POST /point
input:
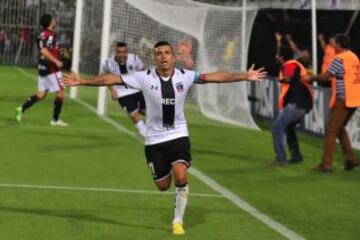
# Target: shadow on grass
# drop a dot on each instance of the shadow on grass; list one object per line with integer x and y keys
{"x": 220, "y": 154}
{"x": 78, "y": 216}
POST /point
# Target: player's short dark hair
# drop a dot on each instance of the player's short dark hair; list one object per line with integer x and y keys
{"x": 163, "y": 43}
{"x": 343, "y": 40}
{"x": 121, "y": 44}
{"x": 45, "y": 20}
{"x": 286, "y": 53}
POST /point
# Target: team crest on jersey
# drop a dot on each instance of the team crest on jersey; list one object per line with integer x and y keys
{"x": 131, "y": 67}
{"x": 179, "y": 87}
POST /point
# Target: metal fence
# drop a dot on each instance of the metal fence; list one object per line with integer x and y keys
{"x": 19, "y": 27}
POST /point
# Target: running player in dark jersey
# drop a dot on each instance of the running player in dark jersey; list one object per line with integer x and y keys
{"x": 49, "y": 72}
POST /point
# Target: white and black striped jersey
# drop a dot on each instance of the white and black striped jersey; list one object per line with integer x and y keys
{"x": 165, "y": 101}
{"x": 133, "y": 64}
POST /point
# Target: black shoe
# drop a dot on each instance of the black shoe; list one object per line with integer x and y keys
{"x": 322, "y": 169}
{"x": 296, "y": 160}
{"x": 350, "y": 165}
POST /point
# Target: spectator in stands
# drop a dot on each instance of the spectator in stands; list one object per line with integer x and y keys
{"x": 184, "y": 50}
{"x": 2, "y": 40}
{"x": 329, "y": 51}
{"x": 303, "y": 54}
{"x": 295, "y": 101}
{"x": 232, "y": 46}
{"x": 344, "y": 73}
{"x": 25, "y": 37}
{"x": 7, "y": 46}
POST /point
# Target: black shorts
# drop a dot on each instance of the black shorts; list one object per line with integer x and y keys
{"x": 160, "y": 157}
{"x": 132, "y": 103}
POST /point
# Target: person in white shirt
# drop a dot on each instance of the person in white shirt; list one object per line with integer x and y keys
{"x": 167, "y": 144}
{"x": 132, "y": 100}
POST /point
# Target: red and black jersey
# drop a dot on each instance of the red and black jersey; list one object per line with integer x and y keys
{"x": 48, "y": 39}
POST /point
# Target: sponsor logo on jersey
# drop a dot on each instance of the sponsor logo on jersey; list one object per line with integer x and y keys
{"x": 50, "y": 41}
{"x": 168, "y": 101}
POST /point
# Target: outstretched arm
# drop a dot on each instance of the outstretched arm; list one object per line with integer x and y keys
{"x": 324, "y": 77}
{"x": 294, "y": 47}
{"x": 73, "y": 79}
{"x": 226, "y": 77}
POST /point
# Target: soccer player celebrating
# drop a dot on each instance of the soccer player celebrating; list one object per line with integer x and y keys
{"x": 130, "y": 99}
{"x": 167, "y": 144}
{"x": 49, "y": 72}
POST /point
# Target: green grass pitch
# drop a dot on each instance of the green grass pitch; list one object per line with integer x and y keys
{"x": 93, "y": 154}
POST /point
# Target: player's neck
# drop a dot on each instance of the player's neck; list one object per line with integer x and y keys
{"x": 119, "y": 62}
{"x": 165, "y": 72}
{"x": 50, "y": 29}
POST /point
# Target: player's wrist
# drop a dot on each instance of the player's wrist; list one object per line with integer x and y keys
{"x": 245, "y": 76}
{"x": 82, "y": 81}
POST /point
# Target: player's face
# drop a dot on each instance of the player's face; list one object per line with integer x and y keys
{"x": 121, "y": 54}
{"x": 305, "y": 56}
{"x": 164, "y": 57}
{"x": 53, "y": 24}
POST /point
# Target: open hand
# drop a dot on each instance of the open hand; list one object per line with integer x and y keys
{"x": 71, "y": 79}
{"x": 256, "y": 75}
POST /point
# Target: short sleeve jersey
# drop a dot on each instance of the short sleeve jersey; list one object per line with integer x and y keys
{"x": 133, "y": 64}
{"x": 156, "y": 92}
{"x": 48, "y": 39}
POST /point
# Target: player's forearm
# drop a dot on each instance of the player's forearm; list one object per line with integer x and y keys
{"x": 102, "y": 80}
{"x": 293, "y": 46}
{"x": 225, "y": 77}
{"x": 324, "y": 77}
{"x": 88, "y": 82}
{"x": 48, "y": 56}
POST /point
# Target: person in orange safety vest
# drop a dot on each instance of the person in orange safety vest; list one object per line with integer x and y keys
{"x": 296, "y": 99}
{"x": 344, "y": 74}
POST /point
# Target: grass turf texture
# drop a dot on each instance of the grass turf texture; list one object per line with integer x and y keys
{"x": 91, "y": 153}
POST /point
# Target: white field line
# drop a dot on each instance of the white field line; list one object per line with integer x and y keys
{"x": 235, "y": 199}
{"x": 109, "y": 190}
{"x": 87, "y": 130}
